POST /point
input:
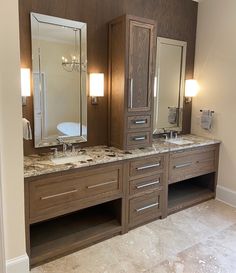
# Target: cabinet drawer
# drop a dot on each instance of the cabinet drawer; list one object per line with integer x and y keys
{"x": 144, "y": 184}
{"x": 60, "y": 194}
{"x": 191, "y": 164}
{"x": 146, "y": 166}
{"x": 139, "y": 139}
{"x": 139, "y": 122}
{"x": 145, "y": 208}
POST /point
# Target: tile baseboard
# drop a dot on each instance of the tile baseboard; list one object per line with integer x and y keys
{"x": 18, "y": 265}
{"x": 226, "y": 195}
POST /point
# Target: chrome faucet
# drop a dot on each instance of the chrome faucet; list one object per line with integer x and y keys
{"x": 173, "y": 134}
{"x": 64, "y": 144}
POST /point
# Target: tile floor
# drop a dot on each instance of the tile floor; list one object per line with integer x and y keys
{"x": 201, "y": 239}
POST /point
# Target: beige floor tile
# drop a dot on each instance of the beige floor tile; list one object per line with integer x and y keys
{"x": 215, "y": 255}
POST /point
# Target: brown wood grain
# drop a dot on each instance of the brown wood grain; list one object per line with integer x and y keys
{"x": 188, "y": 164}
{"x": 131, "y": 77}
{"x": 175, "y": 19}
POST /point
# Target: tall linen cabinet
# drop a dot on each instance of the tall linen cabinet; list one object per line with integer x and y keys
{"x": 132, "y": 43}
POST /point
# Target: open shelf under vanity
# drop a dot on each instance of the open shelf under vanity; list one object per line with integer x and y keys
{"x": 63, "y": 235}
{"x": 189, "y": 192}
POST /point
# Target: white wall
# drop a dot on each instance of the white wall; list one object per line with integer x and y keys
{"x": 11, "y": 136}
{"x": 215, "y": 69}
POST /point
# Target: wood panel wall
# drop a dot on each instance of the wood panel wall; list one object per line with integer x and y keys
{"x": 176, "y": 19}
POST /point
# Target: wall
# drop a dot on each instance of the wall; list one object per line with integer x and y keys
{"x": 11, "y": 136}
{"x": 175, "y": 19}
{"x": 215, "y": 71}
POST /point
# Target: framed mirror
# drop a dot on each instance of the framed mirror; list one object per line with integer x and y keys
{"x": 169, "y": 85}
{"x": 59, "y": 73}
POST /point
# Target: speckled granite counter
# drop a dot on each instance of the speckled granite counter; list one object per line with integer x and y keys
{"x": 40, "y": 164}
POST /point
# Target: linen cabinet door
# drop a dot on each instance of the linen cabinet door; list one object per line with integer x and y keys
{"x": 141, "y": 37}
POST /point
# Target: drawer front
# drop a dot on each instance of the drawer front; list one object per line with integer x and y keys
{"x": 139, "y": 139}
{"x": 181, "y": 168}
{"x": 145, "y": 208}
{"x": 139, "y": 122}
{"x": 205, "y": 162}
{"x": 142, "y": 185}
{"x": 64, "y": 193}
{"x": 146, "y": 166}
{"x": 191, "y": 164}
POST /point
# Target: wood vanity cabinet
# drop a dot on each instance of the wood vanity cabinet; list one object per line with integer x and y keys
{"x": 69, "y": 210}
{"x": 131, "y": 81}
{"x": 147, "y": 189}
{"x": 192, "y": 176}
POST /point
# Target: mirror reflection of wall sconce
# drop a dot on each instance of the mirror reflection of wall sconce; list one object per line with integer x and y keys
{"x": 25, "y": 84}
{"x": 191, "y": 90}
{"x": 96, "y": 86}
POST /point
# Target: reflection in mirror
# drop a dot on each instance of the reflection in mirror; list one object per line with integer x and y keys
{"x": 59, "y": 67}
{"x": 169, "y": 85}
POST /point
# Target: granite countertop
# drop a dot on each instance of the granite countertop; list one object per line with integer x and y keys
{"x": 39, "y": 164}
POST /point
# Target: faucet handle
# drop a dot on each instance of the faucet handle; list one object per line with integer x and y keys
{"x": 166, "y": 136}
{"x": 55, "y": 151}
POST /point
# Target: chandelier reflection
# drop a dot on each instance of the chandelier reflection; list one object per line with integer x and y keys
{"x": 74, "y": 63}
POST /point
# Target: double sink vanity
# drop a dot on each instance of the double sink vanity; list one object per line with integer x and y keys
{"x": 108, "y": 191}
{"x": 76, "y": 198}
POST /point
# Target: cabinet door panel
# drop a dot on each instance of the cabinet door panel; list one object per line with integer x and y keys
{"x": 140, "y": 66}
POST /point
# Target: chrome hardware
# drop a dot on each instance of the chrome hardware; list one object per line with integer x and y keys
{"x": 64, "y": 144}
{"x": 102, "y": 184}
{"x": 149, "y": 166}
{"x": 131, "y": 92}
{"x": 57, "y": 195}
{"x": 142, "y": 121}
{"x": 148, "y": 207}
{"x": 166, "y": 136}
{"x": 183, "y": 165}
{"x": 55, "y": 152}
{"x": 148, "y": 184}
{"x": 139, "y": 138}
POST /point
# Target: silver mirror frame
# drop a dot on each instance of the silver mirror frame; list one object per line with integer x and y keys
{"x": 183, "y": 44}
{"x": 41, "y": 18}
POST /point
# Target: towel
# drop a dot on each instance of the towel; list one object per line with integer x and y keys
{"x": 172, "y": 115}
{"x": 206, "y": 119}
{"x": 27, "y": 132}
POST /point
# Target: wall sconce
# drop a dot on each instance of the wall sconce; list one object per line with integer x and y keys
{"x": 96, "y": 86}
{"x": 191, "y": 89}
{"x": 25, "y": 84}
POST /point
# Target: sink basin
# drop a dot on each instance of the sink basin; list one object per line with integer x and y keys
{"x": 70, "y": 159}
{"x": 180, "y": 141}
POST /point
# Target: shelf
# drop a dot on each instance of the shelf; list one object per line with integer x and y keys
{"x": 60, "y": 236}
{"x": 188, "y": 193}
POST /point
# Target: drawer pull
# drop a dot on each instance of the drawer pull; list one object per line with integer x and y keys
{"x": 139, "y": 138}
{"x": 57, "y": 195}
{"x": 183, "y": 165}
{"x": 205, "y": 160}
{"x": 101, "y": 184}
{"x": 148, "y": 184}
{"x": 148, "y": 207}
{"x": 148, "y": 166}
{"x": 141, "y": 121}
{"x": 131, "y": 92}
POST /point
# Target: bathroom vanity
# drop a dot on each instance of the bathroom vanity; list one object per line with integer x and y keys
{"x": 71, "y": 206}
{"x": 76, "y": 198}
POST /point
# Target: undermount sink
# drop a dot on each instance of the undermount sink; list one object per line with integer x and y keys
{"x": 179, "y": 141}
{"x": 70, "y": 159}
